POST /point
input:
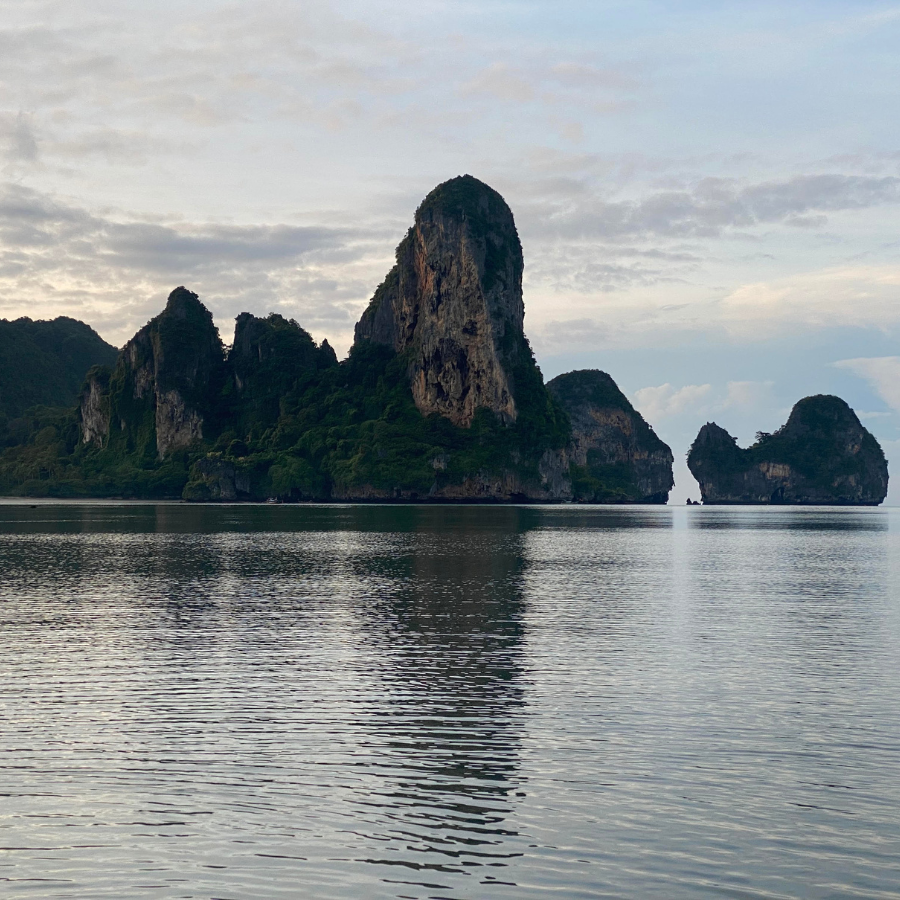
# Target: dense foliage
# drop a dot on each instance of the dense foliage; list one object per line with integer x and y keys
{"x": 336, "y": 428}
{"x": 43, "y": 364}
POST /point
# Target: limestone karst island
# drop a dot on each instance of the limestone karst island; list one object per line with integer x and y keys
{"x": 440, "y": 399}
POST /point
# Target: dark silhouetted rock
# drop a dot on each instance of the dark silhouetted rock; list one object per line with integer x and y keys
{"x": 268, "y": 358}
{"x": 165, "y": 383}
{"x": 43, "y": 363}
{"x": 822, "y": 455}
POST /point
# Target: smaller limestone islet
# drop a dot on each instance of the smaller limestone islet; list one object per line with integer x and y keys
{"x": 821, "y": 455}
{"x": 439, "y": 400}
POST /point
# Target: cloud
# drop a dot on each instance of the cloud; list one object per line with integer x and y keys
{"x": 580, "y": 75}
{"x": 19, "y": 139}
{"x": 712, "y": 206}
{"x": 114, "y": 271}
{"x": 501, "y": 81}
{"x": 855, "y": 295}
{"x": 665, "y": 400}
{"x": 882, "y": 372}
{"x": 747, "y": 394}
{"x": 736, "y": 398}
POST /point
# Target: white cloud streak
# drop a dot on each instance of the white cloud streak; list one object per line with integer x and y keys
{"x": 664, "y": 400}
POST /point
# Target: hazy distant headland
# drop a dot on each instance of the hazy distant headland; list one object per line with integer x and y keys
{"x": 440, "y": 399}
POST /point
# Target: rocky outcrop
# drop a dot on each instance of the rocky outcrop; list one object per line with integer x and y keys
{"x": 165, "y": 383}
{"x": 216, "y": 479}
{"x": 822, "y": 455}
{"x": 174, "y": 362}
{"x": 440, "y": 399}
{"x": 614, "y": 455}
{"x": 453, "y": 303}
{"x": 94, "y": 406}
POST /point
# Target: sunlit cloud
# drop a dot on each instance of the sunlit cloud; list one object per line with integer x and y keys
{"x": 664, "y": 400}
{"x": 852, "y": 295}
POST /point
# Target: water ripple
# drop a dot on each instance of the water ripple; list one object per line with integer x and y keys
{"x": 261, "y": 702}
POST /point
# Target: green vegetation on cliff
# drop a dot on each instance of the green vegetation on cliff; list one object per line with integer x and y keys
{"x": 614, "y": 455}
{"x": 339, "y": 430}
{"x": 42, "y": 364}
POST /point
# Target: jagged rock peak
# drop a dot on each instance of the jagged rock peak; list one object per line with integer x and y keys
{"x": 615, "y": 456}
{"x": 173, "y": 362}
{"x": 184, "y": 304}
{"x": 821, "y": 455}
{"x": 257, "y": 340}
{"x": 454, "y": 302}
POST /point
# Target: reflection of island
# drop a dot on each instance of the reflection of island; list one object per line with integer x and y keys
{"x": 451, "y": 633}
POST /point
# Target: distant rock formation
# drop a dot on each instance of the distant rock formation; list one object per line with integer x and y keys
{"x": 821, "y": 455}
{"x": 440, "y": 398}
{"x": 165, "y": 383}
{"x": 614, "y": 455}
{"x": 453, "y": 302}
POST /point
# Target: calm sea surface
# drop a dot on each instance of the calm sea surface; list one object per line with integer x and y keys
{"x": 256, "y": 702}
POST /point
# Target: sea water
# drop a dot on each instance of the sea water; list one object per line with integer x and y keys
{"x": 454, "y": 702}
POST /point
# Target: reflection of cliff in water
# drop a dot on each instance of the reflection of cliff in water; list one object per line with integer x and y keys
{"x": 449, "y": 628}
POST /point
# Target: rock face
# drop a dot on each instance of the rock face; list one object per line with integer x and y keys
{"x": 821, "y": 455}
{"x": 94, "y": 406}
{"x": 215, "y": 480}
{"x": 164, "y": 383}
{"x": 440, "y": 399}
{"x": 614, "y": 455}
{"x": 505, "y": 486}
{"x": 453, "y": 302}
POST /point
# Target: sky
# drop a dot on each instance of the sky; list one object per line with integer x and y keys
{"x": 707, "y": 193}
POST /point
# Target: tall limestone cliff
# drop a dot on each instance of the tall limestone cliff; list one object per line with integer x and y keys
{"x": 614, "y": 455}
{"x": 453, "y": 303}
{"x": 440, "y": 398}
{"x": 821, "y": 455}
{"x": 94, "y": 406}
{"x": 165, "y": 383}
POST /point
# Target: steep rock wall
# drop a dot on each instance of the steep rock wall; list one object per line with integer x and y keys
{"x": 164, "y": 384}
{"x": 94, "y": 406}
{"x": 267, "y": 359}
{"x": 454, "y": 302}
{"x": 614, "y": 455}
